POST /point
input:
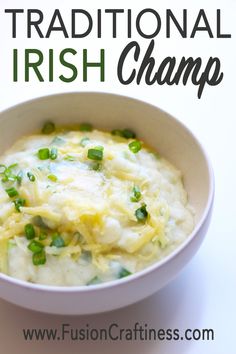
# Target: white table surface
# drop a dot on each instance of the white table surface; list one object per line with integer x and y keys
{"x": 204, "y": 294}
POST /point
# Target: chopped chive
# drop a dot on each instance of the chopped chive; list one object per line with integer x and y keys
{"x": 96, "y": 153}
{"x": 31, "y": 176}
{"x": 85, "y": 127}
{"x": 43, "y": 154}
{"x": 19, "y": 202}
{"x": 53, "y": 154}
{"x": 57, "y": 241}
{"x": 48, "y": 128}
{"x": 39, "y": 258}
{"x": 124, "y": 273}
{"x": 12, "y": 192}
{"x": 136, "y": 194}
{"x": 94, "y": 281}
{"x": 42, "y": 236}
{"x": 52, "y": 178}
{"x": 35, "y": 246}
{"x": 84, "y": 141}
{"x": 135, "y": 146}
{"x": 29, "y": 231}
{"x": 125, "y": 133}
{"x": 141, "y": 213}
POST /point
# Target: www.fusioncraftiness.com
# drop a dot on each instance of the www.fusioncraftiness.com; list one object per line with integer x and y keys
{"x": 114, "y": 332}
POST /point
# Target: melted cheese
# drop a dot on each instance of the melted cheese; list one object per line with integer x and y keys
{"x": 94, "y": 203}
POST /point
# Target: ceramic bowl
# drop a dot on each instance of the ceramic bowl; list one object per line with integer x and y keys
{"x": 170, "y": 138}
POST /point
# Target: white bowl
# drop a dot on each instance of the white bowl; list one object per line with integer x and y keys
{"x": 170, "y": 138}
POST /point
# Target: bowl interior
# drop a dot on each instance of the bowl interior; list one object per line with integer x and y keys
{"x": 106, "y": 111}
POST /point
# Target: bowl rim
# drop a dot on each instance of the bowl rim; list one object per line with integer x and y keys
{"x": 151, "y": 268}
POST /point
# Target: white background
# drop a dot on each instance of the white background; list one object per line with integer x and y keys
{"x": 204, "y": 294}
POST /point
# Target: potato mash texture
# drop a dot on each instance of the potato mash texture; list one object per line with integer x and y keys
{"x": 83, "y": 206}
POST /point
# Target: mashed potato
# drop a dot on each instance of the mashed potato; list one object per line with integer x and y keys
{"x": 81, "y": 207}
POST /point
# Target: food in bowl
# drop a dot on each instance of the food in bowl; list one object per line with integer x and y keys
{"x": 80, "y": 206}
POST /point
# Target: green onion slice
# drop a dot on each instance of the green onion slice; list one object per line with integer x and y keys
{"x": 39, "y": 258}
{"x": 125, "y": 133}
{"x": 44, "y": 154}
{"x": 7, "y": 173}
{"x": 48, "y": 128}
{"x": 124, "y": 273}
{"x": 84, "y": 141}
{"x": 31, "y": 176}
{"x": 53, "y": 154}
{"x": 12, "y": 192}
{"x": 42, "y": 235}
{"x": 135, "y": 146}
{"x": 57, "y": 141}
{"x": 96, "y": 153}
{"x": 19, "y": 202}
{"x": 96, "y": 166}
{"x": 136, "y": 194}
{"x": 29, "y": 231}
{"x": 57, "y": 241}
{"x": 38, "y": 221}
{"x": 19, "y": 177}
{"x": 35, "y": 246}
{"x": 70, "y": 158}
{"x": 85, "y": 127}
{"x": 52, "y": 178}
{"x": 141, "y": 213}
